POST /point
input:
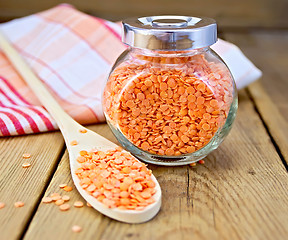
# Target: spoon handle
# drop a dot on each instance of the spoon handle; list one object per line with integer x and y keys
{"x": 45, "y": 97}
{"x": 70, "y": 131}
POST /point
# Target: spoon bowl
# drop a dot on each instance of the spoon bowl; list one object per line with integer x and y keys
{"x": 71, "y": 131}
{"x": 86, "y": 142}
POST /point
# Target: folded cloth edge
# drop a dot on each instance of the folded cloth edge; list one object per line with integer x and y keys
{"x": 242, "y": 78}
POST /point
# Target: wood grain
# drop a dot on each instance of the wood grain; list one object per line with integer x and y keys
{"x": 26, "y": 185}
{"x": 55, "y": 224}
{"x": 240, "y": 193}
{"x": 245, "y": 13}
{"x": 270, "y": 93}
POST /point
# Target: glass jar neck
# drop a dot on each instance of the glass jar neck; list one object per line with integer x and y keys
{"x": 163, "y": 53}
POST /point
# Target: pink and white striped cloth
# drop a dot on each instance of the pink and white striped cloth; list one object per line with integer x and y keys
{"x": 72, "y": 53}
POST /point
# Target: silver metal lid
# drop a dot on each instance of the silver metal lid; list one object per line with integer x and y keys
{"x": 170, "y": 33}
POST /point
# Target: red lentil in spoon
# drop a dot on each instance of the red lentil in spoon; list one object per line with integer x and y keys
{"x": 116, "y": 179}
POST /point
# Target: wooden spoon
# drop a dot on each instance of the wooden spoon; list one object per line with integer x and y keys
{"x": 88, "y": 141}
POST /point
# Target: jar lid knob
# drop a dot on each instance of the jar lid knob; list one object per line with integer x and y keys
{"x": 170, "y": 33}
{"x": 168, "y": 22}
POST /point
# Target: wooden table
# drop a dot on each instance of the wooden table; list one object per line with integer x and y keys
{"x": 241, "y": 192}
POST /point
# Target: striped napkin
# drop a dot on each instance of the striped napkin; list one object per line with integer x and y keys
{"x": 72, "y": 53}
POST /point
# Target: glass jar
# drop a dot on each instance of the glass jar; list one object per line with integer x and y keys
{"x": 169, "y": 99}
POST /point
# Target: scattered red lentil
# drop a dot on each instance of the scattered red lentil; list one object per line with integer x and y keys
{"x": 2, "y": 205}
{"x": 171, "y": 108}
{"x": 59, "y": 202}
{"x": 83, "y": 130}
{"x": 88, "y": 204}
{"x": 76, "y": 228}
{"x": 64, "y": 207}
{"x": 201, "y": 161}
{"x": 193, "y": 164}
{"x": 62, "y": 185}
{"x": 68, "y": 188}
{"x": 116, "y": 179}
{"x": 55, "y": 197}
{"x": 78, "y": 204}
{"x": 66, "y": 198}
{"x": 26, "y": 165}
{"x": 18, "y": 204}
{"x": 26, "y": 155}
{"x": 74, "y": 143}
{"x": 47, "y": 200}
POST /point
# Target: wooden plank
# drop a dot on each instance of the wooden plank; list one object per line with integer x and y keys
{"x": 256, "y": 13}
{"x": 268, "y": 52}
{"x": 240, "y": 193}
{"x": 26, "y": 185}
{"x": 48, "y": 216}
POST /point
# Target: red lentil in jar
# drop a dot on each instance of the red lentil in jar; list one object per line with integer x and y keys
{"x": 170, "y": 99}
